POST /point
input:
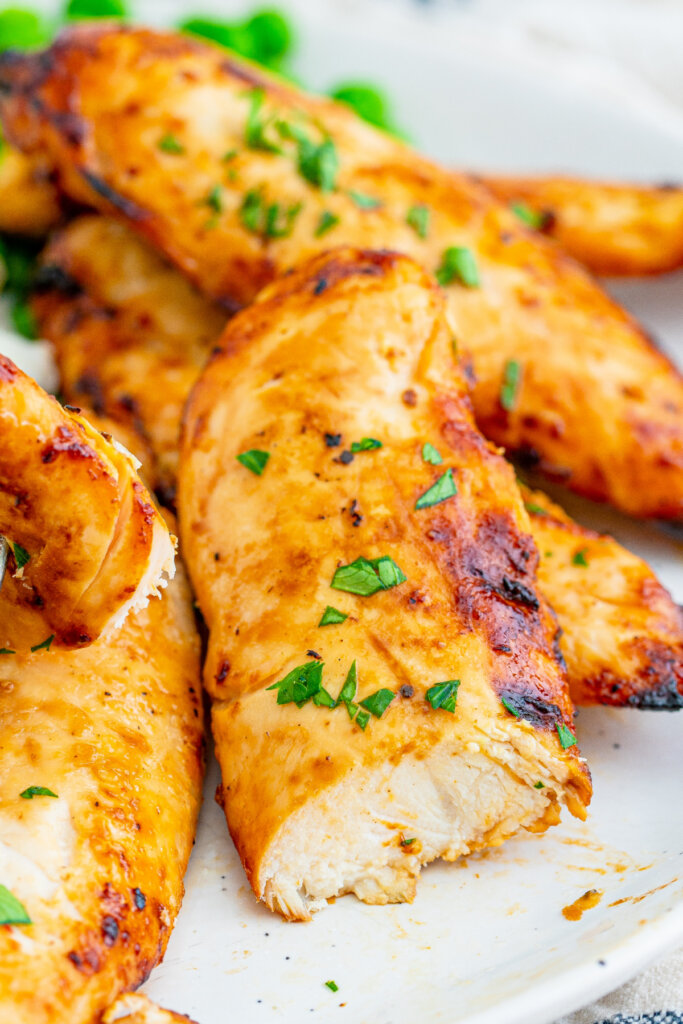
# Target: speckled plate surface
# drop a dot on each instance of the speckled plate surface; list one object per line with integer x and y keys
{"x": 485, "y": 940}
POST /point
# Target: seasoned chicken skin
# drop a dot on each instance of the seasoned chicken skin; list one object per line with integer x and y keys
{"x": 87, "y": 544}
{"x": 351, "y": 352}
{"x": 237, "y": 176}
{"x": 624, "y": 230}
{"x": 130, "y": 333}
{"x": 28, "y": 200}
{"x": 114, "y": 731}
{"x": 622, "y": 634}
{"x": 94, "y": 305}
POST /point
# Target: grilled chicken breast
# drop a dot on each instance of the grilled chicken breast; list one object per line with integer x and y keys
{"x": 613, "y": 229}
{"x": 628, "y": 649}
{"x": 237, "y": 176}
{"x": 134, "y": 1008}
{"x": 87, "y": 543}
{"x": 28, "y": 199}
{"x": 130, "y": 333}
{"x": 114, "y": 732}
{"x": 97, "y": 297}
{"x": 336, "y": 373}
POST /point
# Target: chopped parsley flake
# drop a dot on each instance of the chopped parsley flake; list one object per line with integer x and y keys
{"x": 6, "y": 650}
{"x": 331, "y": 617}
{"x": 28, "y": 794}
{"x": 254, "y": 460}
{"x": 418, "y": 219}
{"x": 21, "y": 556}
{"x": 443, "y": 695}
{"x": 566, "y": 736}
{"x": 458, "y": 264}
{"x": 512, "y": 378}
{"x": 378, "y": 702}
{"x": 214, "y": 199}
{"x": 11, "y": 910}
{"x": 323, "y": 699}
{"x": 535, "y": 510}
{"x": 509, "y": 706}
{"x": 442, "y": 490}
{"x": 366, "y": 444}
{"x": 229, "y": 156}
{"x": 408, "y": 842}
{"x": 318, "y": 163}
{"x": 364, "y": 202}
{"x": 367, "y": 576}
{"x": 271, "y": 220}
{"x": 536, "y": 219}
{"x": 579, "y": 557}
{"x": 170, "y": 144}
{"x": 326, "y": 223}
{"x": 539, "y": 785}
{"x": 350, "y": 687}
{"x": 256, "y": 127}
{"x": 332, "y": 985}
{"x": 362, "y": 719}
{"x": 431, "y": 455}
{"x": 46, "y": 644}
{"x": 299, "y": 685}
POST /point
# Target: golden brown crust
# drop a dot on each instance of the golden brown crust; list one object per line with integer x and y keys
{"x": 94, "y": 541}
{"x": 115, "y": 730}
{"x": 134, "y": 1008}
{"x": 628, "y": 649}
{"x": 28, "y": 199}
{"x": 356, "y": 343}
{"x": 582, "y": 412}
{"x": 130, "y": 333}
{"x": 623, "y": 230}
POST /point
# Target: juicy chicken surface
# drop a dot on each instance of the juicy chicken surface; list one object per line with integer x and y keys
{"x": 629, "y": 647}
{"x": 623, "y": 230}
{"x": 87, "y": 544}
{"x": 28, "y": 200}
{"x": 130, "y": 333}
{"x": 134, "y": 1008}
{"x": 356, "y": 345}
{"x": 115, "y": 731}
{"x": 94, "y": 303}
{"x": 237, "y": 176}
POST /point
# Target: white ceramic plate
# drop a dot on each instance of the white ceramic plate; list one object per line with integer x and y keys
{"x": 485, "y": 940}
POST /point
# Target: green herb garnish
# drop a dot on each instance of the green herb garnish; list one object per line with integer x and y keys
{"x": 458, "y": 264}
{"x": 254, "y": 460}
{"x": 214, "y": 199}
{"x": 532, "y": 218}
{"x": 350, "y": 687}
{"x": 331, "y": 617}
{"x": 366, "y": 444}
{"x": 566, "y": 736}
{"x": 6, "y": 650}
{"x": 539, "y": 785}
{"x": 443, "y": 489}
{"x": 418, "y": 219}
{"x": 21, "y": 30}
{"x": 579, "y": 558}
{"x": 512, "y": 378}
{"x": 28, "y": 794}
{"x": 408, "y": 842}
{"x": 21, "y": 556}
{"x": 11, "y": 910}
{"x": 170, "y": 144}
{"x": 510, "y": 707}
{"x": 367, "y": 576}
{"x": 76, "y": 9}
{"x": 378, "y": 702}
{"x": 443, "y": 695}
{"x": 431, "y": 455}
{"x": 535, "y": 510}
{"x": 299, "y": 685}
{"x": 267, "y": 219}
{"x": 323, "y": 699}
{"x": 46, "y": 644}
{"x": 332, "y": 985}
{"x": 318, "y": 163}
{"x": 326, "y": 223}
{"x": 362, "y": 719}
{"x": 366, "y": 101}
{"x": 256, "y": 127}
{"x": 364, "y": 202}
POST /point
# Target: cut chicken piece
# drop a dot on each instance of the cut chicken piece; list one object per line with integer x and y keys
{"x": 88, "y": 545}
{"x": 28, "y": 199}
{"x": 613, "y": 229}
{"x": 101, "y": 267}
{"x": 237, "y": 176}
{"x": 130, "y": 333}
{"x": 324, "y": 458}
{"x": 135, "y": 1008}
{"x": 622, "y": 634}
{"x": 100, "y": 785}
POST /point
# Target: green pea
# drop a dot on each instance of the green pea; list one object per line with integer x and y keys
{"x": 76, "y": 9}
{"x": 21, "y": 29}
